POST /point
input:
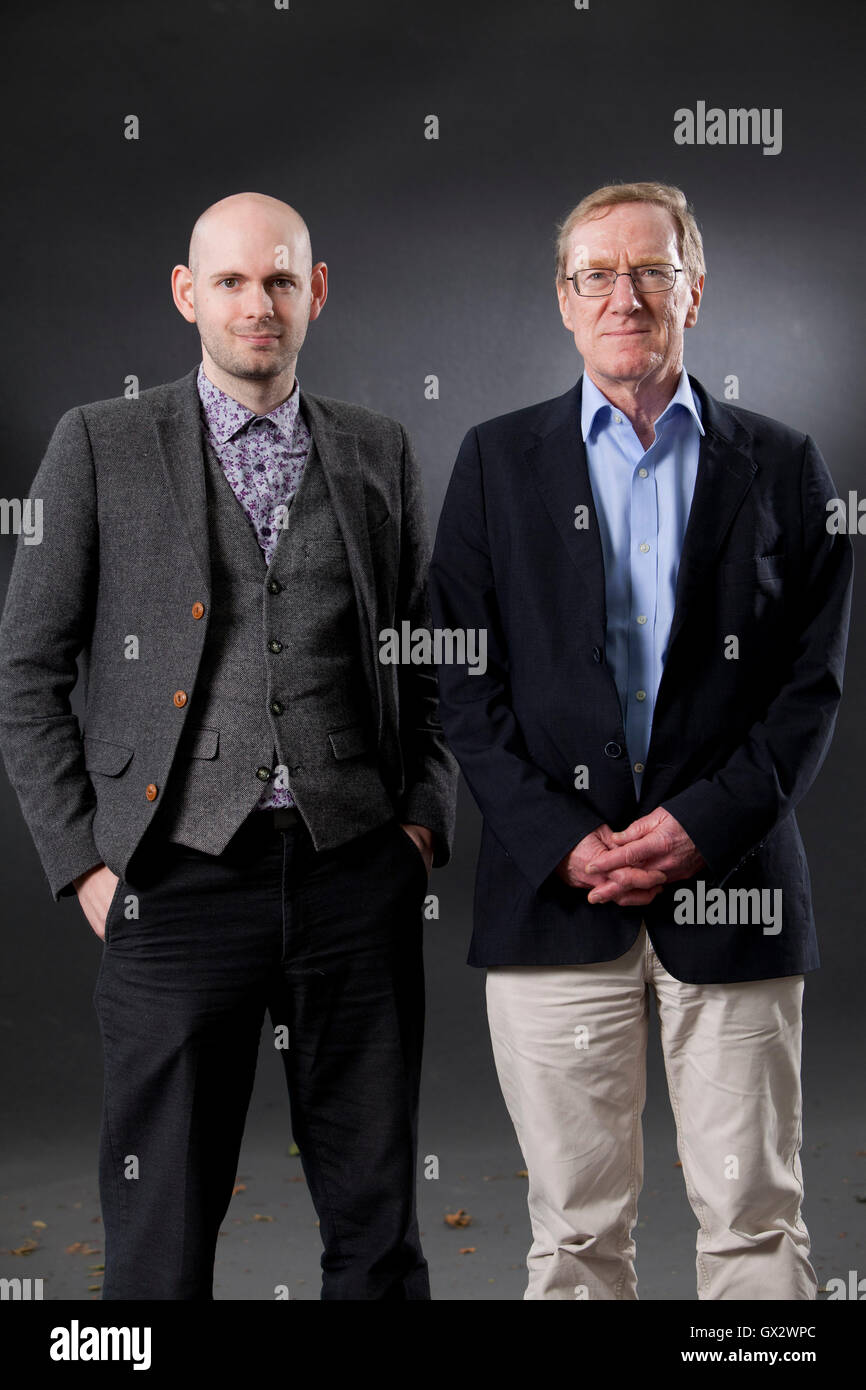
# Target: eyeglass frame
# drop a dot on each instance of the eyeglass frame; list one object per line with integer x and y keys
{"x": 605, "y": 294}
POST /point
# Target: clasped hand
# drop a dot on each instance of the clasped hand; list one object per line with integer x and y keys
{"x": 631, "y": 866}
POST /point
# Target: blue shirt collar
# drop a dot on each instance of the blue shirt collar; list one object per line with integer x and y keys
{"x": 593, "y": 400}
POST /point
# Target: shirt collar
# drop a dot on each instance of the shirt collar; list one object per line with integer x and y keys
{"x": 224, "y": 416}
{"x": 593, "y": 400}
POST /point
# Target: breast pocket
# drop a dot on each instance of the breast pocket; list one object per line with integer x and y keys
{"x": 349, "y": 742}
{"x": 760, "y": 572}
{"x": 751, "y": 597}
{"x": 198, "y": 742}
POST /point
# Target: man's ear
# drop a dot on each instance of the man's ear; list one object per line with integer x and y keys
{"x": 563, "y": 297}
{"x": 181, "y": 292}
{"x": 697, "y": 290}
{"x": 318, "y": 289}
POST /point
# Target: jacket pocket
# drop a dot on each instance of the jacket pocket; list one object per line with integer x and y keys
{"x": 762, "y": 568}
{"x": 103, "y": 755}
{"x": 349, "y": 742}
{"x": 198, "y": 742}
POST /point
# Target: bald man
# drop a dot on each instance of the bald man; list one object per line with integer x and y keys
{"x": 251, "y": 810}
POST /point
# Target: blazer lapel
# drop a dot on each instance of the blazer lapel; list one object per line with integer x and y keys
{"x": 178, "y": 429}
{"x": 557, "y": 461}
{"x": 338, "y": 453}
{"x": 725, "y": 474}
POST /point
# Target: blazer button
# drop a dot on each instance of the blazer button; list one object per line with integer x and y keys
{"x": 274, "y": 586}
{"x": 198, "y": 610}
{"x": 151, "y": 791}
{"x": 275, "y": 646}
{"x": 612, "y": 750}
{"x": 180, "y": 698}
{"x": 263, "y": 774}
{"x": 596, "y": 653}
{"x": 276, "y": 707}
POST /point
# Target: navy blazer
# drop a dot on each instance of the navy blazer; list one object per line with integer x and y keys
{"x": 735, "y": 743}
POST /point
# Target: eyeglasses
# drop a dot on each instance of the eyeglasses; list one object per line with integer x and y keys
{"x": 647, "y": 279}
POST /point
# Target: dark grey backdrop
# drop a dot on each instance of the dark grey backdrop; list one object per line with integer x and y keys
{"x": 440, "y": 256}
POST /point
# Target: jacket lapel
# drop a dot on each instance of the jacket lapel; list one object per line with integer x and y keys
{"x": 338, "y": 453}
{"x": 725, "y": 474}
{"x": 178, "y": 429}
{"x": 557, "y": 462}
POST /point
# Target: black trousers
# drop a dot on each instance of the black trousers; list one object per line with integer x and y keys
{"x": 330, "y": 943}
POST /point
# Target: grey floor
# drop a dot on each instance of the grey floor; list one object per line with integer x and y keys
{"x": 51, "y": 1103}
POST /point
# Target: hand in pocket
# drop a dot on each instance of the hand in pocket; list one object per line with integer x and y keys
{"x": 95, "y": 891}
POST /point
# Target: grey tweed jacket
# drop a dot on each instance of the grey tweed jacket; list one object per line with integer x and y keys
{"x": 118, "y": 459}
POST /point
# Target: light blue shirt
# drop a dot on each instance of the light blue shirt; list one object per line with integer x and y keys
{"x": 642, "y": 500}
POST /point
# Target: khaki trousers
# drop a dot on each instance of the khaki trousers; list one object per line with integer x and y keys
{"x": 570, "y": 1049}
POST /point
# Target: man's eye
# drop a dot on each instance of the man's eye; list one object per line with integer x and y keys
{"x": 229, "y": 280}
{"x": 285, "y": 283}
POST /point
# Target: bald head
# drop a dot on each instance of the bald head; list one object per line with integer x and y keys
{"x": 251, "y": 289}
{"x": 236, "y": 219}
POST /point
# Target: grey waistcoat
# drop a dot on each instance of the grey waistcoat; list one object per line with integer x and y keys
{"x": 324, "y": 737}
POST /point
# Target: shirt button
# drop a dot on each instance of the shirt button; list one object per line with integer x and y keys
{"x": 617, "y": 419}
{"x": 643, "y": 547}
{"x": 151, "y": 791}
{"x": 642, "y": 473}
{"x": 198, "y": 610}
{"x": 640, "y": 694}
{"x": 638, "y": 767}
{"x": 612, "y": 750}
{"x": 274, "y": 586}
{"x": 275, "y": 646}
{"x": 263, "y": 774}
{"x": 596, "y": 653}
{"x": 641, "y": 617}
{"x": 276, "y": 707}
{"x": 180, "y": 698}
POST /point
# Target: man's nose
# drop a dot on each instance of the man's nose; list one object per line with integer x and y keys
{"x": 624, "y": 296}
{"x": 257, "y": 302}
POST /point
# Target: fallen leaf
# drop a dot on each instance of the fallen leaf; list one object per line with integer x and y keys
{"x": 239, "y": 1187}
{"x": 458, "y": 1218}
{"x": 40, "y": 1225}
{"x": 259, "y": 1217}
{"x": 522, "y": 1173}
{"x": 678, "y": 1164}
{"x": 468, "y": 1250}
{"x": 27, "y": 1248}
{"x": 294, "y": 1151}
{"x": 81, "y": 1247}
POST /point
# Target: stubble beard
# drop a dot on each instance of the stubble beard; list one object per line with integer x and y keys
{"x": 251, "y": 365}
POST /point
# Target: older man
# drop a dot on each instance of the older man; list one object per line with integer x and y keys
{"x": 250, "y": 817}
{"x": 666, "y": 617}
